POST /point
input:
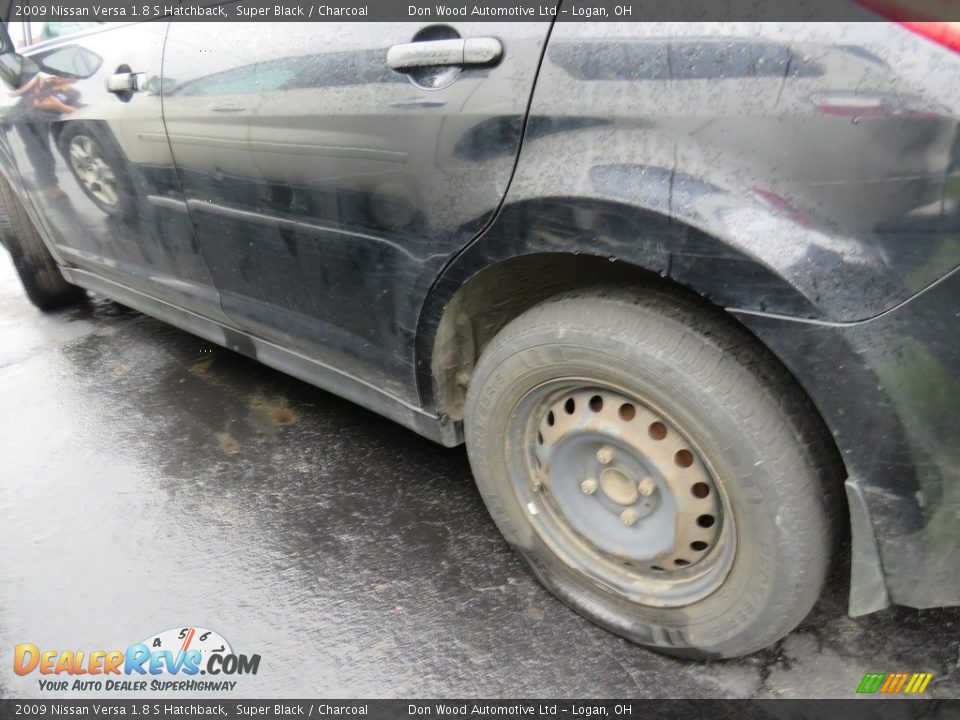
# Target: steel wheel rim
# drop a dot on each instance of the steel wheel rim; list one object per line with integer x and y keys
{"x": 94, "y": 172}
{"x": 609, "y": 518}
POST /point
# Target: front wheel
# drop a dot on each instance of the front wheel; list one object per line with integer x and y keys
{"x": 657, "y": 470}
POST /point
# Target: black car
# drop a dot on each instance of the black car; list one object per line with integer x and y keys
{"x": 689, "y": 292}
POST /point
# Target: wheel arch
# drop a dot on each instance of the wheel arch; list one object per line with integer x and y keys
{"x": 535, "y": 249}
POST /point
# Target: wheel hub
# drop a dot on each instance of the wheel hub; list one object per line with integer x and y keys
{"x": 619, "y": 487}
{"x": 627, "y": 483}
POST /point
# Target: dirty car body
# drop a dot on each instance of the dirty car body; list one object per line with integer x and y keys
{"x": 282, "y": 191}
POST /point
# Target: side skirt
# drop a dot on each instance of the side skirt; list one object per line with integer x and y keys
{"x": 437, "y": 428}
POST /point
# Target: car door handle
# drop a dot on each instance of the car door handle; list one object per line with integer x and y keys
{"x": 456, "y": 51}
{"x": 127, "y": 82}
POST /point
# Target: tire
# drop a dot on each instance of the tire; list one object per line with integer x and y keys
{"x": 38, "y": 271}
{"x": 115, "y": 197}
{"x": 657, "y": 408}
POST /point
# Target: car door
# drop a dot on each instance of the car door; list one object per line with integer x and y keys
{"x": 327, "y": 188}
{"x": 86, "y": 134}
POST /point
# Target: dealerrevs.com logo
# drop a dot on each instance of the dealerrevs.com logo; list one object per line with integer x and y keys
{"x": 167, "y": 661}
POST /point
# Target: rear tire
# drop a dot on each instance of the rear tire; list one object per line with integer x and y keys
{"x": 39, "y": 274}
{"x": 589, "y": 396}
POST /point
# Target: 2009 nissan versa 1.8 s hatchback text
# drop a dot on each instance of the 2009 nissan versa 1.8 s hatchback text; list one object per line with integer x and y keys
{"x": 689, "y": 292}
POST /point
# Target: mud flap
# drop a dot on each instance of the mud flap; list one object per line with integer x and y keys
{"x": 868, "y": 589}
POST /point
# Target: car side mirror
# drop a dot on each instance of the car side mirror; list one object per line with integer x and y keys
{"x": 15, "y": 69}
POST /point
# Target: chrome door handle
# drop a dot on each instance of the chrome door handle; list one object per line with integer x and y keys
{"x": 127, "y": 82}
{"x": 457, "y": 51}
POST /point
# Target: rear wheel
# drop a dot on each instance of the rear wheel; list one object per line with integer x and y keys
{"x": 658, "y": 471}
{"x": 38, "y": 271}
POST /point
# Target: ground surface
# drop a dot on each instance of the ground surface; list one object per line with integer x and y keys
{"x": 149, "y": 481}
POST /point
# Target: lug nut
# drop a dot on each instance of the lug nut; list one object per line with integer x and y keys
{"x": 647, "y": 487}
{"x": 589, "y": 486}
{"x": 536, "y": 486}
{"x": 629, "y": 517}
{"x": 605, "y": 455}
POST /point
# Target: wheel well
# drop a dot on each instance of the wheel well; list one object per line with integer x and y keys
{"x": 489, "y": 300}
{"x": 496, "y": 295}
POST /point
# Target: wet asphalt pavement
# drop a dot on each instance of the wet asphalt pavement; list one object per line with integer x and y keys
{"x": 152, "y": 481}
